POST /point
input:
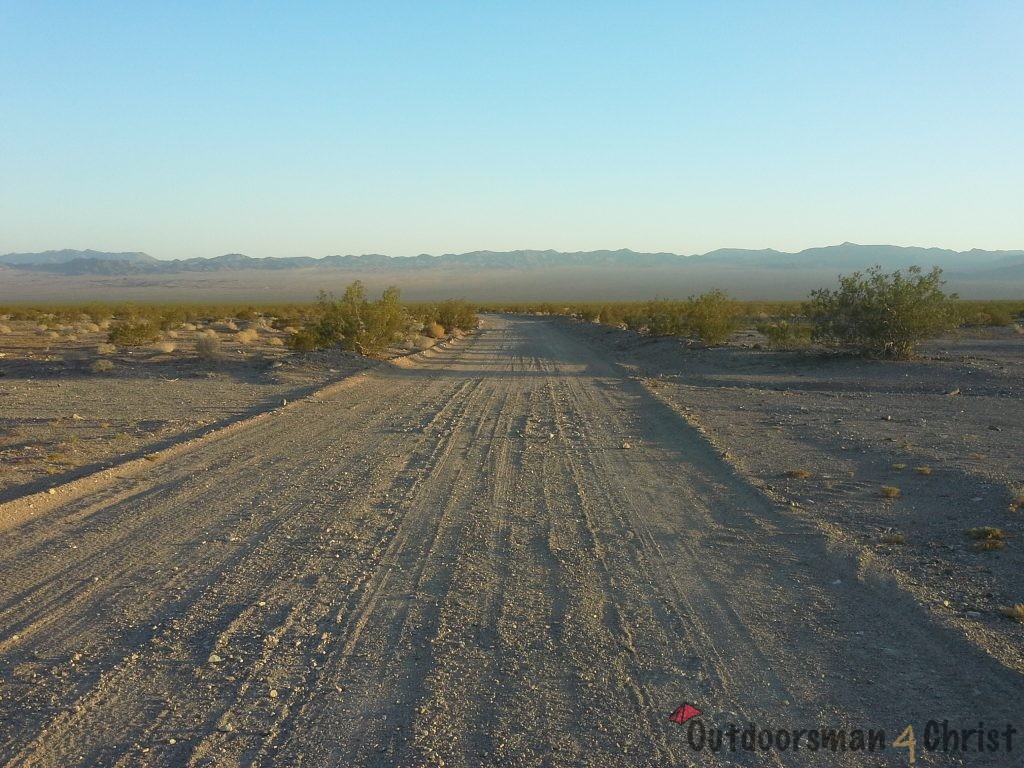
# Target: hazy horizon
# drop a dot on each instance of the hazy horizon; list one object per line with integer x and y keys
{"x": 453, "y": 127}
{"x": 162, "y": 257}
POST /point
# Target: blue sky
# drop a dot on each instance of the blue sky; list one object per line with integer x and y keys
{"x": 195, "y": 129}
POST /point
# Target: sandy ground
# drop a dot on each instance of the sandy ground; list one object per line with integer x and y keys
{"x": 512, "y": 552}
{"x": 60, "y": 420}
{"x": 945, "y": 429}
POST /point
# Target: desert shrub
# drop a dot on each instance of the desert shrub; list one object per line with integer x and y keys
{"x": 885, "y": 315}
{"x": 106, "y": 349}
{"x": 5, "y": 329}
{"x": 1017, "y": 501}
{"x": 275, "y": 341}
{"x": 987, "y": 313}
{"x": 784, "y": 335}
{"x": 661, "y": 318}
{"x": 306, "y": 340}
{"x": 166, "y": 347}
{"x": 208, "y": 347}
{"x": 986, "y": 318}
{"x": 353, "y": 322}
{"x": 609, "y": 315}
{"x": 455, "y": 314}
{"x": 386, "y": 321}
{"x": 133, "y": 333}
{"x": 433, "y": 330}
{"x": 101, "y": 366}
{"x": 713, "y": 316}
{"x": 1015, "y": 612}
{"x": 247, "y": 336}
{"x": 986, "y": 532}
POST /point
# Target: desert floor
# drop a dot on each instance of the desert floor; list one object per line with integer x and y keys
{"x": 524, "y": 549}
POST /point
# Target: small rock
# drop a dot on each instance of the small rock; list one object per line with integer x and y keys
{"x": 626, "y": 446}
{"x": 215, "y": 659}
{"x": 172, "y": 741}
{"x": 972, "y": 615}
{"x": 51, "y": 490}
{"x": 273, "y": 693}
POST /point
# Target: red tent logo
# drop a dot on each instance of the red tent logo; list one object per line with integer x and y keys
{"x": 684, "y": 713}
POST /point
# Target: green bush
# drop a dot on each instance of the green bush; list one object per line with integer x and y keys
{"x": 976, "y": 313}
{"x": 785, "y": 335}
{"x": 884, "y": 315}
{"x": 662, "y": 318}
{"x": 454, "y": 314}
{"x": 713, "y": 316}
{"x": 353, "y": 322}
{"x": 133, "y": 332}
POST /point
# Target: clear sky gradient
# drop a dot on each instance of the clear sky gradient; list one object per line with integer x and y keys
{"x": 306, "y": 129}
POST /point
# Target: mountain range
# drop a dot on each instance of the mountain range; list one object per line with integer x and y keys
{"x": 845, "y": 256}
{"x": 520, "y": 275}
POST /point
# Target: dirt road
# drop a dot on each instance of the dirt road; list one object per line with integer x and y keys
{"x": 508, "y": 553}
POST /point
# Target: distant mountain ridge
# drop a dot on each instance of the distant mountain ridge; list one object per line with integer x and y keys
{"x": 66, "y": 256}
{"x": 524, "y": 275}
{"x": 844, "y": 257}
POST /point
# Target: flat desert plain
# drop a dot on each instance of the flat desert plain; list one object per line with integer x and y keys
{"x": 528, "y": 547}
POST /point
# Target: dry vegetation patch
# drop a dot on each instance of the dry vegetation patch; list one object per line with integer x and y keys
{"x": 143, "y": 387}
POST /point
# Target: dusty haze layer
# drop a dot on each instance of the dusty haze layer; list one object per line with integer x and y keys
{"x": 620, "y": 275}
